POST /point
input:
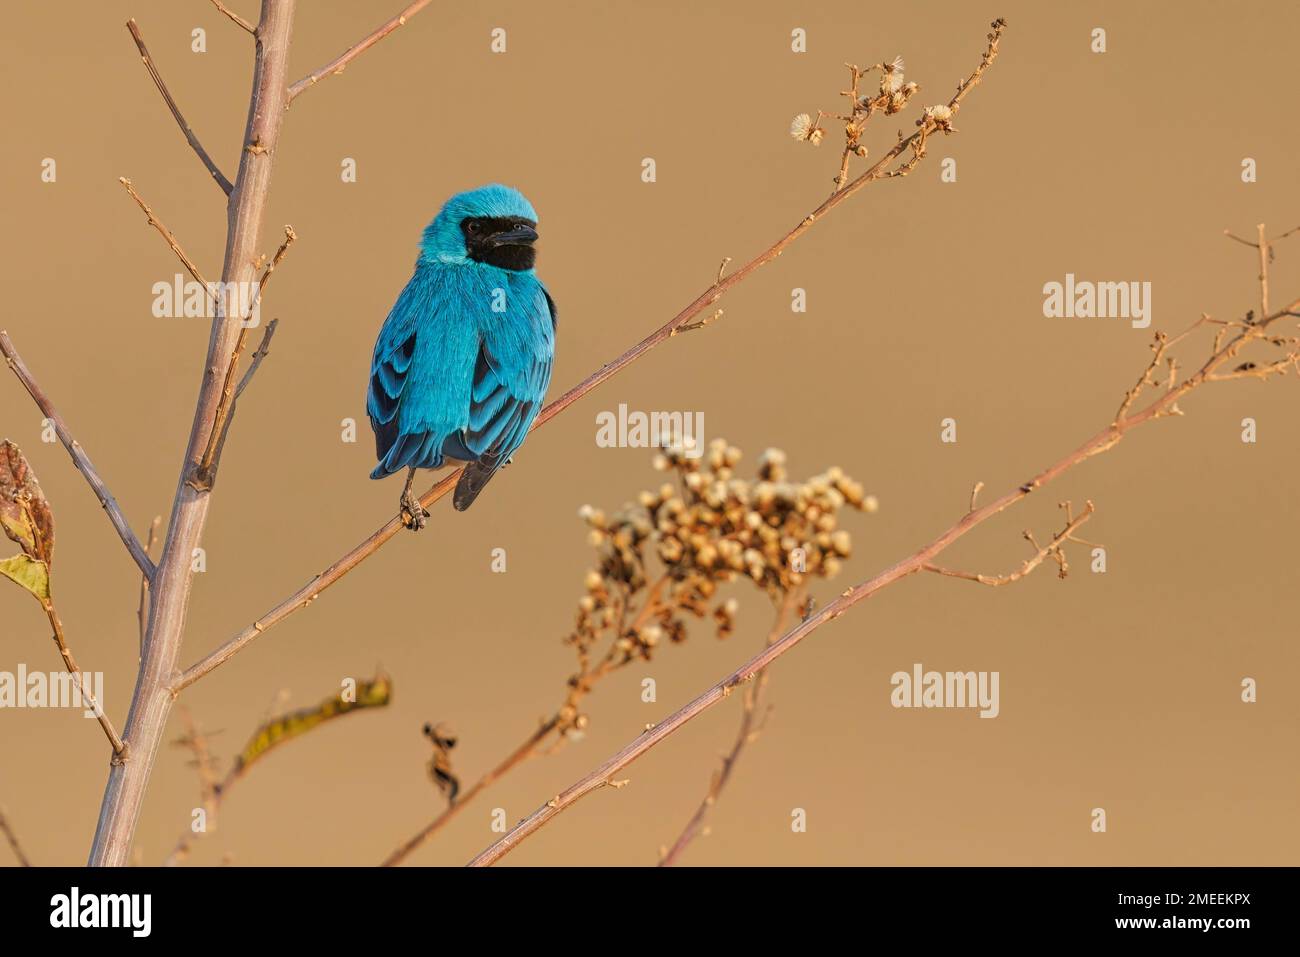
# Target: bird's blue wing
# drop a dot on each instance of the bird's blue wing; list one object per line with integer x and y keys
{"x": 421, "y": 374}
{"x": 511, "y": 374}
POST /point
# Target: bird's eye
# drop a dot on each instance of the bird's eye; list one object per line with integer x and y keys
{"x": 472, "y": 226}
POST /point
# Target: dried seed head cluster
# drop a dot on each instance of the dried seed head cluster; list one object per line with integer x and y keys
{"x": 662, "y": 559}
{"x": 893, "y": 95}
{"x": 894, "y": 91}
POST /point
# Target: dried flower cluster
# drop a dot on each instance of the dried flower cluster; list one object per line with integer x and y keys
{"x": 663, "y": 558}
{"x": 892, "y": 96}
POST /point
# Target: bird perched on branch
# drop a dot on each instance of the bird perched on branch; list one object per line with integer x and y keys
{"x": 464, "y": 359}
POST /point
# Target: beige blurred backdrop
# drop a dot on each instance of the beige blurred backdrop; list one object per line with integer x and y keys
{"x": 1119, "y": 691}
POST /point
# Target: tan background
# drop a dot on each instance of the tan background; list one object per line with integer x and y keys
{"x": 1118, "y": 691}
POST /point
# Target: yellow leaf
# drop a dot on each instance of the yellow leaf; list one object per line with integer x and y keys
{"x": 31, "y": 574}
{"x": 369, "y": 694}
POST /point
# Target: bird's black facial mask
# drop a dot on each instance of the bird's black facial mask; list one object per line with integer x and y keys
{"x": 505, "y": 242}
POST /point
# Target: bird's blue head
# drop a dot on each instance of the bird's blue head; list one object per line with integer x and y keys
{"x": 493, "y": 225}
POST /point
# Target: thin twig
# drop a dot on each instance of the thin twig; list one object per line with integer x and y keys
{"x": 144, "y": 580}
{"x": 1052, "y": 549}
{"x": 203, "y": 475}
{"x": 340, "y": 62}
{"x": 1159, "y": 347}
{"x": 750, "y": 726}
{"x": 212, "y": 790}
{"x": 1264, "y": 253}
{"x": 1104, "y": 440}
{"x": 79, "y": 457}
{"x": 260, "y": 353}
{"x": 70, "y": 663}
{"x": 235, "y": 18}
{"x": 9, "y": 834}
{"x": 190, "y": 135}
{"x": 354, "y": 557}
{"x": 263, "y": 348}
{"x": 167, "y": 236}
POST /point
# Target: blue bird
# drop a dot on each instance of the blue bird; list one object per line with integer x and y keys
{"x": 463, "y": 361}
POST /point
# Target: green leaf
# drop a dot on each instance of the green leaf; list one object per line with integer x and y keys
{"x": 28, "y": 572}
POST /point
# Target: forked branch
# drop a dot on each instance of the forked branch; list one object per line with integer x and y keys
{"x": 190, "y": 136}
{"x": 340, "y": 62}
{"x": 79, "y": 457}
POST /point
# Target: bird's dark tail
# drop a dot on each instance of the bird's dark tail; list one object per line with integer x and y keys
{"x": 473, "y": 480}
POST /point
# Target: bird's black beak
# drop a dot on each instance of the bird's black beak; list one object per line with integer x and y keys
{"x": 521, "y": 235}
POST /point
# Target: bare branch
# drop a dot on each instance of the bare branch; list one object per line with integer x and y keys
{"x": 203, "y": 475}
{"x": 263, "y": 349}
{"x": 211, "y": 787}
{"x": 79, "y": 457}
{"x": 144, "y": 579}
{"x": 70, "y": 663}
{"x": 237, "y": 19}
{"x": 12, "y": 838}
{"x": 340, "y": 62}
{"x": 190, "y": 135}
{"x": 1053, "y": 549}
{"x": 1264, "y": 254}
{"x": 167, "y": 236}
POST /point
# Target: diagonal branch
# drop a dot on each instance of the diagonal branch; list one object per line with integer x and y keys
{"x": 263, "y": 348}
{"x": 716, "y": 290}
{"x": 120, "y": 750}
{"x": 236, "y": 19}
{"x": 203, "y": 475}
{"x": 143, "y": 608}
{"x": 190, "y": 135}
{"x": 260, "y": 353}
{"x": 79, "y": 457}
{"x": 1103, "y": 441}
{"x": 12, "y": 838}
{"x": 167, "y": 236}
{"x": 340, "y": 62}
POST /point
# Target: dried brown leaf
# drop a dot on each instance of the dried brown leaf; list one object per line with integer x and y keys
{"x": 24, "y": 513}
